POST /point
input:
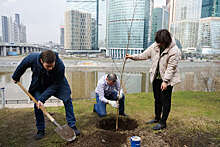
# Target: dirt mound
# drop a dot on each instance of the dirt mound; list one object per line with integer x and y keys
{"x": 100, "y": 139}
{"x": 123, "y": 124}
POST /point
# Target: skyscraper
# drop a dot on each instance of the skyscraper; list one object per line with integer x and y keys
{"x": 87, "y": 6}
{"x": 210, "y": 8}
{"x": 13, "y": 30}
{"x": 209, "y": 35}
{"x": 77, "y": 30}
{"x": 159, "y": 21}
{"x": 16, "y": 26}
{"x": 185, "y": 22}
{"x": 17, "y": 19}
{"x": 5, "y": 29}
{"x": 62, "y": 35}
{"x": 128, "y": 18}
{"x": 22, "y": 34}
{"x": 209, "y": 27}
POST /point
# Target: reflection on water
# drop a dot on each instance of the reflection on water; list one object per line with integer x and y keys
{"x": 83, "y": 84}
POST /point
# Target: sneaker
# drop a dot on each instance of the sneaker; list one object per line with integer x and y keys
{"x": 40, "y": 134}
{"x": 77, "y": 132}
{"x": 159, "y": 126}
{"x": 152, "y": 121}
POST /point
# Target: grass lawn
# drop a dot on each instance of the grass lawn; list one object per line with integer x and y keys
{"x": 194, "y": 120}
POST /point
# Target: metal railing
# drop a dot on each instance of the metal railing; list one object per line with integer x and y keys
{"x": 26, "y": 101}
{"x": 2, "y": 95}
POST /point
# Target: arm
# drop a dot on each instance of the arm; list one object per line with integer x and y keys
{"x": 100, "y": 91}
{"x": 143, "y": 56}
{"x": 172, "y": 65}
{"x": 22, "y": 67}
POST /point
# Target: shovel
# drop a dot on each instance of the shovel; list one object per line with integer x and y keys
{"x": 65, "y": 131}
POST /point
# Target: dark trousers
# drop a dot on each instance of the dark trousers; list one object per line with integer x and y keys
{"x": 100, "y": 107}
{"x": 40, "y": 123}
{"x": 162, "y": 101}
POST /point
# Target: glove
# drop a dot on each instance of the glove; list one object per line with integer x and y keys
{"x": 120, "y": 95}
{"x": 113, "y": 103}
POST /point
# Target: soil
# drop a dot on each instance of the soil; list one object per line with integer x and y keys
{"x": 107, "y": 136}
{"x": 123, "y": 124}
{"x": 100, "y": 138}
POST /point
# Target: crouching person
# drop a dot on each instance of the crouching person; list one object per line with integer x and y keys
{"x": 107, "y": 92}
{"x": 48, "y": 79}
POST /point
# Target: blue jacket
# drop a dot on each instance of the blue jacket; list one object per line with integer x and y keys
{"x": 49, "y": 83}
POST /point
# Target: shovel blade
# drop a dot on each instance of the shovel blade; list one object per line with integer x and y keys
{"x": 66, "y": 133}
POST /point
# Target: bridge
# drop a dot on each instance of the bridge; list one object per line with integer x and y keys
{"x": 20, "y": 48}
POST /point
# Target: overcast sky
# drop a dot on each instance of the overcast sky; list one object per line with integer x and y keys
{"x": 41, "y": 17}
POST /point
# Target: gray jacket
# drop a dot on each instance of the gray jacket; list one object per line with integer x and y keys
{"x": 169, "y": 59}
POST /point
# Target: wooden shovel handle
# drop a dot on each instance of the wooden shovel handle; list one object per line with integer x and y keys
{"x": 35, "y": 101}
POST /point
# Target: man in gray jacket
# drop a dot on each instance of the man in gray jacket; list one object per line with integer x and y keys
{"x": 107, "y": 92}
{"x": 164, "y": 73}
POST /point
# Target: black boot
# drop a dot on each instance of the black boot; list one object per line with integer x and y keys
{"x": 40, "y": 134}
{"x": 123, "y": 114}
{"x": 152, "y": 121}
{"x": 160, "y": 126}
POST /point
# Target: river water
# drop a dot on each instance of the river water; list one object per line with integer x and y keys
{"x": 83, "y": 82}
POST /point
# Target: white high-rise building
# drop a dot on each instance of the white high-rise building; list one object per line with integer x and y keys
{"x": 22, "y": 34}
{"x": 90, "y": 7}
{"x": 209, "y": 35}
{"x": 184, "y": 20}
{"x": 77, "y": 32}
{"x": 16, "y": 32}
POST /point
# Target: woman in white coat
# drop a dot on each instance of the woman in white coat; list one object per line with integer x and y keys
{"x": 164, "y": 73}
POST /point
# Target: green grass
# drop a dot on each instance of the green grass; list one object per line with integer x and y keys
{"x": 194, "y": 119}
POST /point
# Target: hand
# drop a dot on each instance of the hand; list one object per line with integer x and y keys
{"x": 39, "y": 104}
{"x": 121, "y": 94}
{"x": 113, "y": 103}
{"x": 127, "y": 56}
{"x": 15, "y": 81}
{"x": 163, "y": 86}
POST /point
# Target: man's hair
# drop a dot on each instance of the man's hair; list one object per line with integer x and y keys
{"x": 163, "y": 36}
{"x": 48, "y": 56}
{"x": 112, "y": 77}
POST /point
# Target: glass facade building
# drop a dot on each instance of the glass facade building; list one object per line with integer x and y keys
{"x": 5, "y": 29}
{"x": 210, "y": 8}
{"x": 120, "y": 15}
{"x": 160, "y": 18}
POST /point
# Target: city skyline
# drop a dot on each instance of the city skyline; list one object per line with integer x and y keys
{"x": 42, "y": 18}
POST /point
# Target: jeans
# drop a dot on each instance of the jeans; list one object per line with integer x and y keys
{"x": 162, "y": 101}
{"x": 100, "y": 107}
{"x": 40, "y": 123}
